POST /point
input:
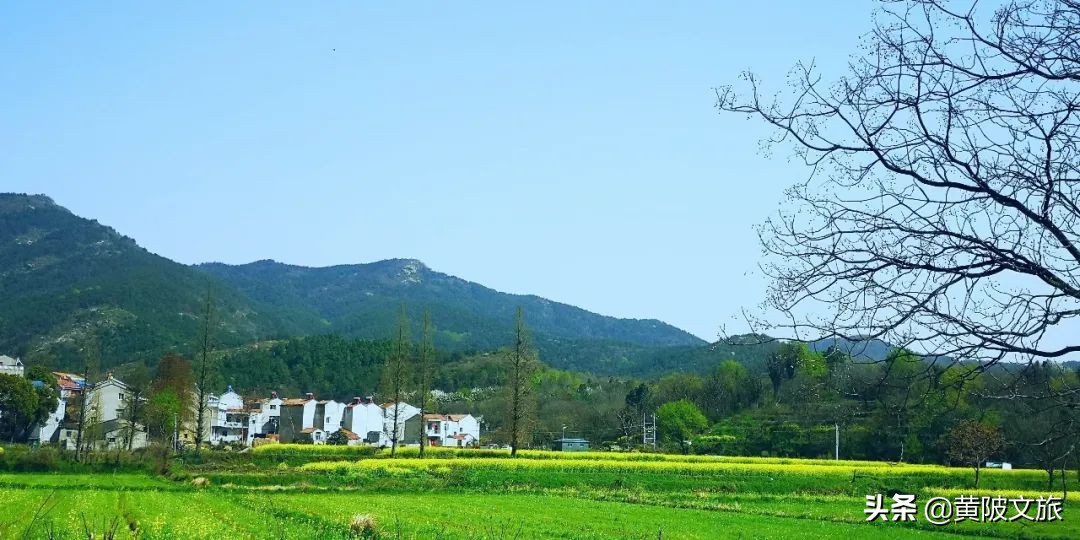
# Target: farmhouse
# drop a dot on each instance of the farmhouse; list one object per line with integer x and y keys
{"x": 11, "y": 366}
{"x": 408, "y": 423}
{"x": 229, "y": 419}
{"x": 297, "y": 414}
{"x": 460, "y": 430}
{"x": 104, "y": 427}
{"x": 364, "y": 418}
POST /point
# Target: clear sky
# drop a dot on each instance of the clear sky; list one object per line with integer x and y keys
{"x": 569, "y": 149}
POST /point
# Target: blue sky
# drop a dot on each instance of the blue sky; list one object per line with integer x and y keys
{"x": 569, "y": 150}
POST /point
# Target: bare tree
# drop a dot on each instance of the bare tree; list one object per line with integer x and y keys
{"x": 396, "y": 375}
{"x": 522, "y": 362}
{"x": 202, "y": 382}
{"x": 137, "y": 381}
{"x": 942, "y": 211}
{"x": 424, "y": 365}
{"x": 92, "y": 363}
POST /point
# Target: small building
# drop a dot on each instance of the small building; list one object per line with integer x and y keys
{"x": 296, "y": 415}
{"x": 567, "y": 444}
{"x": 328, "y": 415}
{"x": 315, "y": 435}
{"x": 364, "y": 417}
{"x": 230, "y": 421}
{"x": 409, "y": 424}
{"x": 460, "y": 430}
{"x": 11, "y": 366}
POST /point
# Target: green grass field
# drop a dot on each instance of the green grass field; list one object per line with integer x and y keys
{"x": 316, "y": 492}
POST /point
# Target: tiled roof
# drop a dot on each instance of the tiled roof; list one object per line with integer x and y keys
{"x": 450, "y": 417}
{"x": 69, "y": 381}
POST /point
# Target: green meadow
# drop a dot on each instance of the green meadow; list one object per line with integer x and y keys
{"x": 284, "y": 491}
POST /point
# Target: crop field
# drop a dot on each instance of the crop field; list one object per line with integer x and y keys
{"x": 318, "y": 492}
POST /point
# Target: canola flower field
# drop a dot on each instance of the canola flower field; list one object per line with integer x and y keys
{"x": 285, "y": 491}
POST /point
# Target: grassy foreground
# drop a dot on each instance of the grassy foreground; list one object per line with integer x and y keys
{"x": 315, "y": 493}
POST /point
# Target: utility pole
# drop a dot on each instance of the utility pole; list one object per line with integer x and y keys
{"x": 648, "y": 436}
{"x": 836, "y": 427}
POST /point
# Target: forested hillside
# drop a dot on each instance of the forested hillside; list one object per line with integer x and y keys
{"x": 71, "y": 288}
{"x": 64, "y": 279}
{"x": 360, "y": 300}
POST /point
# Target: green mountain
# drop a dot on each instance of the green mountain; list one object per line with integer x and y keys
{"x": 361, "y": 300}
{"x": 64, "y": 279}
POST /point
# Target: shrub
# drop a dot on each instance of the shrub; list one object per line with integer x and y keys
{"x": 363, "y": 526}
{"x": 715, "y": 445}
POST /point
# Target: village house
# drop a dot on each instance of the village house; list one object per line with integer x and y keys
{"x": 11, "y": 366}
{"x": 297, "y": 415}
{"x": 264, "y": 418}
{"x": 458, "y": 430}
{"x": 104, "y": 426}
{"x": 364, "y": 419}
{"x": 230, "y": 420}
{"x": 408, "y": 424}
{"x": 328, "y": 415}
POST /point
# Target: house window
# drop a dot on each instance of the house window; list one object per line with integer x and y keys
{"x": 121, "y": 397}
{"x": 273, "y": 407}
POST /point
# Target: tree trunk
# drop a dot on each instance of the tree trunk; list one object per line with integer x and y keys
{"x": 82, "y": 420}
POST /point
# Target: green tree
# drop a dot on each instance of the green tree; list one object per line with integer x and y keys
{"x": 337, "y": 438}
{"x": 521, "y": 401}
{"x": 48, "y": 394}
{"x": 678, "y": 422}
{"x": 19, "y": 405}
{"x": 164, "y": 414}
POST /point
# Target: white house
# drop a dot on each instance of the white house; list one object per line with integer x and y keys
{"x": 406, "y": 415}
{"x": 11, "y": 366}
{"x": 460, "y": 430}
{"x": 264, "y": 418}
{"x": 105, "y": 405}
{"x": 108, "y": 399}
{"x": 328, "y": 415}
{"x": 229, "y": 419}
{"x": 364, "y": 418}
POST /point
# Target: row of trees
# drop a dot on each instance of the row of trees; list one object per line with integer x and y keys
{"x": 409, "y": 372}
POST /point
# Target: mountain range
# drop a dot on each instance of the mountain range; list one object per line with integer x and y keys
{"x": 71, "y": 287}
